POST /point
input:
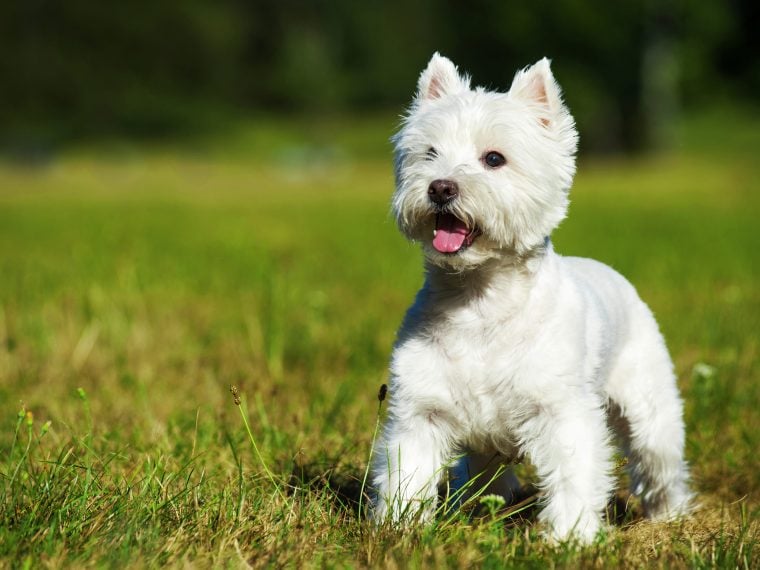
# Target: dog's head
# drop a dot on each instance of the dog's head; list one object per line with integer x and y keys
{"x": 482, "y": 174}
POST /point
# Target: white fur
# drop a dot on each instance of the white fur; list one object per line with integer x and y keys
{"x": 510, "y": 348}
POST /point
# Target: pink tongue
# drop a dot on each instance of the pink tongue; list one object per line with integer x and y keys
{"x": 450, "y": 233}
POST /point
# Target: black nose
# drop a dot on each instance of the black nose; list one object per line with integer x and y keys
{"x": 442, "y": 191}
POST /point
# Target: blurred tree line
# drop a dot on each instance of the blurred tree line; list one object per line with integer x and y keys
{"x": 73, "y": 68}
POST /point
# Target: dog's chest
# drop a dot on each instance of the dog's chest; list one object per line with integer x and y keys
{"x": 460, "y": 370}
{"x": 481, "y": 356}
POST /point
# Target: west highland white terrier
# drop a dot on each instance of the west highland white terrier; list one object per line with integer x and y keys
{"x": 510, "y": 349}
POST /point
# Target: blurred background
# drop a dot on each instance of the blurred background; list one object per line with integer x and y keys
{"x": 87, "y": 70}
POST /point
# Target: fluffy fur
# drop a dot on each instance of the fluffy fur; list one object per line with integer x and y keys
{"x": 509, "y": 348}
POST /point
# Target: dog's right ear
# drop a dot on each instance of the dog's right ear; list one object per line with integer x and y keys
{"x": 440, "y": 78}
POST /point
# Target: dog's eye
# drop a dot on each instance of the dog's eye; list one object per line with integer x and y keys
{"x": 431, "y": 153}
{"x": 494, "y": 159}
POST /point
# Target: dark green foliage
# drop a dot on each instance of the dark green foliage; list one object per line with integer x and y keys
{"x": 154, "y": 69}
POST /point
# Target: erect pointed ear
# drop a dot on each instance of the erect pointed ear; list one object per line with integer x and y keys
{"x": 440, "y": 78}
{"x": 536, "y": 85}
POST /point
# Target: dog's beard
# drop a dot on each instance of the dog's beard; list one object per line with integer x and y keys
{"x": 418, "y": 217}
{"x": 446, "y": 251}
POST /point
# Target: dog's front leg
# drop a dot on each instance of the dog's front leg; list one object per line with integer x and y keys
{"x": 569, "y": 447}
{"x": 407, "y": 467}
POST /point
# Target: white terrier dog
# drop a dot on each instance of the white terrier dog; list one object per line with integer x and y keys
{"x": 509, "y": 348}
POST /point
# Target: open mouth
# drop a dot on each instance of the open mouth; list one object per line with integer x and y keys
{"x": 451, "y": 234}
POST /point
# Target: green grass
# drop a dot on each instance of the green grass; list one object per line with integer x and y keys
{"x": 136, "y": 287}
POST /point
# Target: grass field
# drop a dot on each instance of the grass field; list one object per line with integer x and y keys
{"x": 137, "y": 286}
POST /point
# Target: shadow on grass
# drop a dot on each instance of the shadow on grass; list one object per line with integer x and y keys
{"x": 342, "y": 485}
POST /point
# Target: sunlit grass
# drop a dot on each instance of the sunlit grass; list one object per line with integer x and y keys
{"x": 154, "y": 281}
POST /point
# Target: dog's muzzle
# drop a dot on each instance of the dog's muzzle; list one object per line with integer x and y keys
{"x": 442, "y": 191}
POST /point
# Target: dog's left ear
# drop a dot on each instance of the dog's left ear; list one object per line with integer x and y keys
{"x": 536, "y": 85}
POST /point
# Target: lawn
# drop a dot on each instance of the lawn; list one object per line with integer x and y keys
{"x": 137, "y": 285}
